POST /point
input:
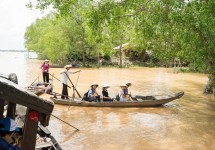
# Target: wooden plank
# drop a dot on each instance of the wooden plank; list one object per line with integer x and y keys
{"x": 44, "y": 119}
{"x": 16, "y": 94}
{"x": 29, "y": 134}
{"x": 45, "y": 130}
{"x": 2, "y": 101}
{"x": 11, "y": 110}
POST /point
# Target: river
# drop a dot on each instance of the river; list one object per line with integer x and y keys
{"x": 184, "y": 124}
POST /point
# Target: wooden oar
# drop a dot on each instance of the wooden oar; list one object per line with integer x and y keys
{"x": 58, "y": 94}
{"x": 73, "y": 95}
{"x": 35, "y": 80}
{"x": 65, "y": 122}
{"x": 73, "y": 85}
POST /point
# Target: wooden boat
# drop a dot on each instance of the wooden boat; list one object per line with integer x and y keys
{"x": 139, "y": 101}
{"x": 40, "y": 88}
{"x": 36, "y": 115}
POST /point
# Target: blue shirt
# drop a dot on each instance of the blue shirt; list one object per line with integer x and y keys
{"x": 5, "y": 146}
{"x": 91, "y": 91}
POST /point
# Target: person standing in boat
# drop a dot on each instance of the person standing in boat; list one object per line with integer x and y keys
{"x": 92, "y": 93}
{"x": 64, "y": 77}
{"x": 106, "y": 97}
{"x": 7, "y": 129}
{"x": 45, "y": 71}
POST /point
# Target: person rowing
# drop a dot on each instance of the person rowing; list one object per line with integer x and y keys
{"x": 45, "y": 70}
{"x": 64, "y": 77}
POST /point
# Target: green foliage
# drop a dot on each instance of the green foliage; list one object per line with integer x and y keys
{"x": 54, "y": 38}
{"x": 170, "y": 28}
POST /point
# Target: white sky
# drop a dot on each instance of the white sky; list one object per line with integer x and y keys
{"x": 14, "y": 18}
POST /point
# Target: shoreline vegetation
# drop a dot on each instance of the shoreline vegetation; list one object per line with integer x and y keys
{"x": 176, "y": 69}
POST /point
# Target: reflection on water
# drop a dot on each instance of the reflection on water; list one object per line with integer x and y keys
{"x": 185, "y": 124}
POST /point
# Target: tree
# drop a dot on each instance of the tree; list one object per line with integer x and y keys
{"x": 50, "y": 36}
{"x": 170, "y": 28}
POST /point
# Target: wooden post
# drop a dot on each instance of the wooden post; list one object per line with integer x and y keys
{"x": 1, "y": 108}
{"x": 29, "y": 134}
{"x": 120, "y": 56}
{"x": 11, "y": 110}
{"x": 213, "y": 81}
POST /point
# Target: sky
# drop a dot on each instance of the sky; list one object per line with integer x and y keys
{"x": 14, "y": 18}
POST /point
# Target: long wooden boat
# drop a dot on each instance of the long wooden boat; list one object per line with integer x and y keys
{"x": 37, "y": 112}
{"x": 138, "y": 101}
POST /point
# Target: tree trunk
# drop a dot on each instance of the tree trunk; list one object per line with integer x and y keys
{"x": 83, "y": 42}
{"x": 84, "y": 58}
{"x": 98, "y": 61}
{"x": 213, "y": 81}
{"x": 120, "y": 56}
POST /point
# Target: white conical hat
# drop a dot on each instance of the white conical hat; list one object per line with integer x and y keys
{"x": 68, "y": 66}
{"x": 105, "y": 86}
{"x": 94, "y": 84}
{"x": 123, "y": 85}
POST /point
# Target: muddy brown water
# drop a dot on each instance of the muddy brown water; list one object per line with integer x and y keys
{"x": 184, "y": 124}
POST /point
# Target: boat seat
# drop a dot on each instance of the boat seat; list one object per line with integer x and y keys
{"x": 139, "y": 99}
{"x": 41, "y": 143}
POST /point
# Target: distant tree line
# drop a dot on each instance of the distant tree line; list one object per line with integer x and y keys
{"x": 172, "y": 29}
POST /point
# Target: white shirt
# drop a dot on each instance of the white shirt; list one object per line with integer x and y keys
{"x": 64, "y": 77}
{"x": 122, "y": 99}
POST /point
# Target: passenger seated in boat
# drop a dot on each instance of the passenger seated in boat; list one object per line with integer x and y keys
{"x": 7, "y": 129}
{"x": 106, "y": 97}
{"x": 92, "y": 93}
{"x": 124, "y": 97}
{"x": 126, "y": 89}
